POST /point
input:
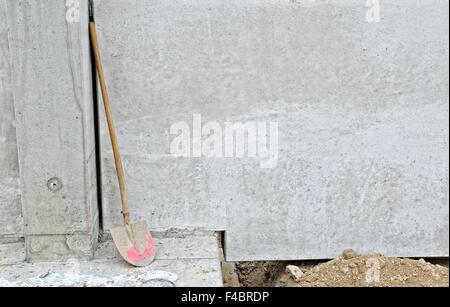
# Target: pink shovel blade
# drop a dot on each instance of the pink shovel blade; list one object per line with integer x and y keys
{"x": 135, "y": 244}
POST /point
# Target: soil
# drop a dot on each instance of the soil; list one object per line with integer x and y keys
{"x": 349, "y": 270}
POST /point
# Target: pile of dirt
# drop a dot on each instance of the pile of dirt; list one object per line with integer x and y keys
{"x": 350, "y": 270}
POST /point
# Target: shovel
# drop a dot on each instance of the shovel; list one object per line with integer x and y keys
{"x": 133, "y": 240}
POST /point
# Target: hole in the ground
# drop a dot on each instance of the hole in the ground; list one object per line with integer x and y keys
{"x": 355, "y": 271}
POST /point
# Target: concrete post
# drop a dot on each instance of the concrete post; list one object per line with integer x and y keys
{"x": 52, "y": 89}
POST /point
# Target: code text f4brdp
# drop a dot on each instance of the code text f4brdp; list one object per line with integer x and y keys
{"x": 246, "y": 296}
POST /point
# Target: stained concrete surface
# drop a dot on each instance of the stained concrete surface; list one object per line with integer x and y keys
{"x": 11, "y": 219}
{"x": 182, "y": 260}
{"x": 362, "y": 111}
{"x": 364, "y": 159}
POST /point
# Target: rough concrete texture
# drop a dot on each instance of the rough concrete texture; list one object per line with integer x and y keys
{"x": 150, "y": 89}
{"x": 61, "y": 247}
{"x": 12, "y": 253}
{"x": 52, "y": 89}
{"x": 364, "y": 160}
{"x": 362, "y": 111}
{"x": 11, "y": 220}
{"x": 191, "y": 260}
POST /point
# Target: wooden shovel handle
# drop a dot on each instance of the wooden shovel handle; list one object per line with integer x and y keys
{"x": 112, "y": 130}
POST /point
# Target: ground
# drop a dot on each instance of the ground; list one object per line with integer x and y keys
{"x": 350, "y": 270}
{"x": 193, "y": 260}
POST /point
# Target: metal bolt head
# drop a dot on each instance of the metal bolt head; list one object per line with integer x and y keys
{"x": 54, "y": 184}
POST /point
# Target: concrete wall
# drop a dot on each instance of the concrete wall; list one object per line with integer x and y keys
{"x": 51, "y": 84}
{"x": 362, "y": 111}
{"x": 11, "y": 221}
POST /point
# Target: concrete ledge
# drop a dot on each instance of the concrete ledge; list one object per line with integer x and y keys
{"x": 12, "y": 253}
{"x": 60, "y": 247}
{"x": 181, "y": 262}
